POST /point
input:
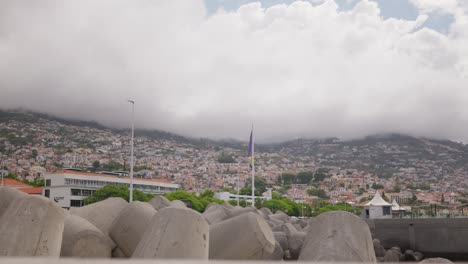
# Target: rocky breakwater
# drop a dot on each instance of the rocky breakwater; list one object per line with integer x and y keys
{"x": 160, "y": 229}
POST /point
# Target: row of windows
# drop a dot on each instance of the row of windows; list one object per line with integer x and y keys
{"x": 76, "y": 203}
{"x": 98, "y": 184}
{"x": 82, "y": 192}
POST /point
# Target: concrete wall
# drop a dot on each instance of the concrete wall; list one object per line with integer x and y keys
{"x": 444, "y": 237}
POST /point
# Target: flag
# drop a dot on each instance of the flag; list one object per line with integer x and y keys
{"x": 251, "y": 158}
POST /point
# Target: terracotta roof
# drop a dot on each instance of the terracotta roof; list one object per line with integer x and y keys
{"x": 31, "y": 190}
{"x": 83, "y": 173}
{"x": 13, "y": 183}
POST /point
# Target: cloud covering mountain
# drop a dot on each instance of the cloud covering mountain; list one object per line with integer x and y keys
{"x": 303, "y": 69}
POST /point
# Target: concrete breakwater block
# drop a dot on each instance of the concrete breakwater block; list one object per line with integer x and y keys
{"x": 129, "y": 227}
{"x": 31, "y": 226}
{"x": 282, "y": 239}
{"x": 246, "y": 236}
{"x": 175, "y": 233}
{"x": 295, "y": 243}
{"x": 81, "y": 239}
{"x": 243, "y": 210}
{"x": 338, "y": 236}
{"x": 101, "y": 214}
{"x": 7, "y": 195}
{"x": 266, "y": 211}
{"x": 277, "y": 254}
{"x": 178, "y": 203}
{"x": 279, "y": 217}
{"x": 435, "y": 260}
{"x": 215, "y": 214}
{"x": 159, "y": 202}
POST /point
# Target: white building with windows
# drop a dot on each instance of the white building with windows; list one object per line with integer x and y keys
{"x": 227, "y": 196}
{"x": 68, "y": 188}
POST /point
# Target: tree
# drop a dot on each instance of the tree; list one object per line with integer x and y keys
{"x": 287, "y": 178}
{"x": 226, "y": 158}
{"x": 207, "y": 193}
{"x": 304, "y": 177}
{"x": 376, "y": 186}
{"x": 319, "y": 193}
{"x": 384, "y": 197}
{"x": 34, "y": 154}
{"x": 198, "y": 203}
{"x": 96, "y": 165}
{"x": 117, "y": 191}
{"x": 260, "y": 187}
{"x": 396, "y": 189}
{"x": 321, "y": 174}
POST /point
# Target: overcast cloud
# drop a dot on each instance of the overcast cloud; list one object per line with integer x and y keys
{"x": 299, "y": 70}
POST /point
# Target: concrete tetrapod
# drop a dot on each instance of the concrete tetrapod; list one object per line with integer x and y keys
{"x": 7, "y": 195}
{"x": 338, "y": 236}
{"x": 215, "y": 214}
{"x": 101, "y": 214}
{"x": 279, "y": 217}
{"x": 83, "y": 240}
{"x": 242, "y": 210}
{"x": 31, "y": 226}
{"x": 277, "y": 253}
{"x": 178, "y": 203}
{"x": 129, "y": 227}
{"x": 246, "y": 236}
{"x": 295, "y": 243}
{"x": 159, "y": 202}
{"x": 177, "y": 233}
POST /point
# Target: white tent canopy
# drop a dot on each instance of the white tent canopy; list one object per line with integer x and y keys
{"x": 396, "y": 206}
{"x": 377, "y": 201}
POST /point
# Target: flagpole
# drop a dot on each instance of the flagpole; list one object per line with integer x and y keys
{"x": 131, "y": 152}
{"x": 253, "y": 169}
{"x": 238, "y": 180}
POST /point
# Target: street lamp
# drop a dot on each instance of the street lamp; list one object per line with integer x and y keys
{"x": 131, "y": 152}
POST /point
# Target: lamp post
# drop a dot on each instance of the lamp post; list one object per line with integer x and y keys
{"x": 131, "y": 152}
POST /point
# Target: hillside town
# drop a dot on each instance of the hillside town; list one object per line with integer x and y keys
{"x": 32, "y": 146}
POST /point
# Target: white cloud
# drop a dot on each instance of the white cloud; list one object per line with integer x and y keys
{"x": 428, "y": 6}
{"x": 295, "y": 70}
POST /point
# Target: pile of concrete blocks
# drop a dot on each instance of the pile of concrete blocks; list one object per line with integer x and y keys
{"x": 29, "y": 225}
{"x": 163, "y": 229}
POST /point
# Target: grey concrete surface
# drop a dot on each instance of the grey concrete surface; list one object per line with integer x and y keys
{"x": 177, "y": 203}
{"x": 7, "y": 195}
{"x": 338, "y": 236}
{"x": 81, "y": 239}
{"x": 175, "y": 232}
{"x": 129, "y": 227}
{"x": 101, "y": 214}
{"x": 159, "y": 202}
{"x": 246, "y": 236}
{"x": 138, "y": 261}
{"x": 295, "y": 243}
{"x": 440, "y": 237}
{"x": 215, "y": 214}
{"x": 279, "y": 217}
{"x": 31, "y": 226}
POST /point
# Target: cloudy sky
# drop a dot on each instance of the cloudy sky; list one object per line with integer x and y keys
{"x": 317, "y": 68}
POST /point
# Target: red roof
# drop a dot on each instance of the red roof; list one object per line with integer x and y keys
{"x": 105, "y": 175}
{"x": 14, "y": 183}
{"x": 32, "y": 190}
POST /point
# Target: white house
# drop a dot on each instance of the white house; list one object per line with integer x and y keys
{"x": 377, "y": 208}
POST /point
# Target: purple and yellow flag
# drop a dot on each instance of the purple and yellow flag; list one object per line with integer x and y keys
{"x": 251, "y": 158}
